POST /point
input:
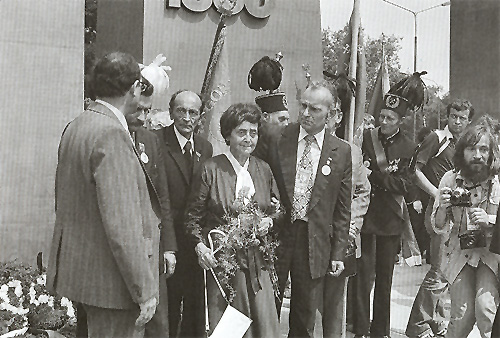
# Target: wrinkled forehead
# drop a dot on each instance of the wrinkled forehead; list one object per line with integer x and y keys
{"x": 187, "y": 99}
{"x": 318, "y": 95}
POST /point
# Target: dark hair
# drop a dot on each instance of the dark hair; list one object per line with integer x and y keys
{"x": 171, "y": 103}
{"x": 235, "y": 115}
{"x": 114, "y": 74}
{"x": 147, "y": 88}
{"x": 471, "y": 137}
{"x": 460, "y": 105}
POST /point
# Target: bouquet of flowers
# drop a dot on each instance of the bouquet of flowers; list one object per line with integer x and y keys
{"x": 27, "y": 308}
{"x": 241, "y": 231}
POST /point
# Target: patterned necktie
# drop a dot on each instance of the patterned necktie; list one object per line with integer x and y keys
{"x": 187, "y": 155}
{"x": 303, "y": 181}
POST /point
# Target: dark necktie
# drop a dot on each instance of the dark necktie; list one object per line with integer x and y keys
{"x": 187, "y": 155}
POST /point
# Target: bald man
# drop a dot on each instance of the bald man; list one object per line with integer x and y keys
{"x": 313, "y": 173}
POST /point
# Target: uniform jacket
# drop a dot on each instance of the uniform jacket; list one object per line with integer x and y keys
{"x": 329, "y": 210}
{"x": 385, "y": 215}
{"x": 104, "y": 249}
{"x": 179, "y": 179}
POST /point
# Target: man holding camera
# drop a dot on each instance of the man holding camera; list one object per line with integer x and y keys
{"x": 465, "y": 214}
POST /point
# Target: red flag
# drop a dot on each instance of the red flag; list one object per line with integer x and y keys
{"x": 216, "y": 90}
{"x": 381, "y": 88}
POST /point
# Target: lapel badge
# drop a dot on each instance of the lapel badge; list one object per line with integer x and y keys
{"x": 326, "y": 170}
{"x": 198, "y": 155}
{"x": 142, "y": 149}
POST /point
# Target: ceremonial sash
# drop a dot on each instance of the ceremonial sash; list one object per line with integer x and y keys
{"x": 410, "y": 250}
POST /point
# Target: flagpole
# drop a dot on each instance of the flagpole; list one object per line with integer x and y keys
{"x": 352, "y": 68}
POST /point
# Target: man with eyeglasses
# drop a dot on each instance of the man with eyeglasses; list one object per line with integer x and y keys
{"x": 435, "y": 157}
{"x": 184, "y": 152}
{"x": 104, "y": 251}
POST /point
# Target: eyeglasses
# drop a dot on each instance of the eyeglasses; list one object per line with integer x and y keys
{"x": 189, "y": 113}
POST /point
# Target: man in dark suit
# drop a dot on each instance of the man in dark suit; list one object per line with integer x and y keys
{"x": 313, "y": 172}
{"x": 148, "y": 146}
{"x": 104, "y": 251}
{"x": 183, "y": 153}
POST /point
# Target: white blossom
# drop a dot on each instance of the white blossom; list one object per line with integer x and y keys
{"x": 42, "y": 280}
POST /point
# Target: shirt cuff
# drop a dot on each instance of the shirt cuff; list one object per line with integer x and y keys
{"x": 492, "y": 219}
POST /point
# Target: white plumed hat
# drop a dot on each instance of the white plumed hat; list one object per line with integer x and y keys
{"x": 157, "y": 75}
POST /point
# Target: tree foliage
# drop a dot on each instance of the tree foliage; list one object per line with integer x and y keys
{"x": 391, "y": 45}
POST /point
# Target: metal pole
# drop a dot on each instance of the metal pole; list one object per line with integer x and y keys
{"x": 414, "y": 70}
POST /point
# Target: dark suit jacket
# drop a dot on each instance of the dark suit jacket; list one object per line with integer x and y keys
{"x": 148, "y": 142}
{"x": 385, "y": 216}
{"x": 104, "y": 249}
{"x": 329, "y": 210}
{"x": 179, "y": 179}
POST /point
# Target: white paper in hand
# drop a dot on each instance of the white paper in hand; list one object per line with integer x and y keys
{"x": 232, "y": 324}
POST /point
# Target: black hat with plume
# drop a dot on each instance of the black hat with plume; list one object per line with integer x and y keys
{"x": 265, "y": 75}
{"x": 407, "y": 94}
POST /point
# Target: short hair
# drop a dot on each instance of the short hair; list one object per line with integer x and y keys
{"x": 171, "y": 103}
{"x": 315, "y": 85}
{"x": 472, "y": 136}
{"x": 114, "y": 74}
{"x": 235, "y": 115}
{"x": 460, "y": 105}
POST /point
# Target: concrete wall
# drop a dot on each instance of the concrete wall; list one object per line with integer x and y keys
{"x": 475, "y": 53}
{"x": 185, "y": 37}
{"x": 41, "y": 62}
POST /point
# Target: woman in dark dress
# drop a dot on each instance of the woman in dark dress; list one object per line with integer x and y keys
{"x": 223, "y": 178}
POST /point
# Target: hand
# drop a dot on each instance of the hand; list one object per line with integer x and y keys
{"x": 206, "y": 258}
{"x": 478, "y": 216}
{"x": 148, "y": 309}
{"x": 169, "y": 263}
{"x": 445, "y": 197}
{"x": 337, "y": 268}
{"x": 265, "y": 224}
{"x": 417, "y": 206}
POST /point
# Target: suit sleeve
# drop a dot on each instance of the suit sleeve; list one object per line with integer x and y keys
{"x": 115, "y": 171}
{"x": 342, "y": 213}
{"x": 167, "y": 235}
{"x": 197, "y": 206}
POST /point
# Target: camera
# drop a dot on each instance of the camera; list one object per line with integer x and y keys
{"x": 472, "y": 239}
{"x": 460, "y": 197}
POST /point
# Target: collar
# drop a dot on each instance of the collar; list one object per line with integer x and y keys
{"x": 119, "y": 115}
{"x": 234, "y": 162}
{"x": 447, "y": 133}
{"x": 320, "y": 136}
{"x": 387, "y": 138}
{"x": 484, "y": 184}
{"x": 182, "y": 140}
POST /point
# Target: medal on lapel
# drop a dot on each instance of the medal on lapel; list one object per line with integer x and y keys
{"x": 198, "y": 156}
{"x": 326, "y": 170}
{"x": 144, "y": 157}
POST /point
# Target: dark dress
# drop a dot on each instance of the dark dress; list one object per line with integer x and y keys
{"x": 212, "y": 197}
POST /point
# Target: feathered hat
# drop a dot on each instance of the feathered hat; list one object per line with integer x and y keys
{"x": 157, "y": 75}
{"x": 407, "y": 94}
{"x": 266, "y": 75}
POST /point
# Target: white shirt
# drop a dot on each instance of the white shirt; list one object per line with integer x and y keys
{"x": 182, "y": 140}
{"x": 315, "y": 148}
{"x": 119, "y": 115}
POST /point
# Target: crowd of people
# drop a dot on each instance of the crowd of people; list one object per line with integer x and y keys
{"x": 135, "y": 207}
